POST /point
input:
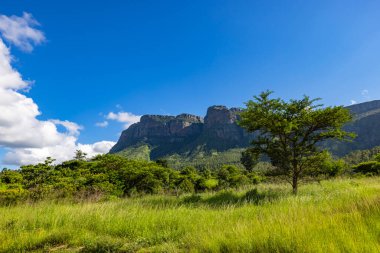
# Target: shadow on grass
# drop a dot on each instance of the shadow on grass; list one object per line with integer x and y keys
{"x": 228, "y": 198}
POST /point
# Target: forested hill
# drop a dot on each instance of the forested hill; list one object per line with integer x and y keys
{"x": 186, "y": 135}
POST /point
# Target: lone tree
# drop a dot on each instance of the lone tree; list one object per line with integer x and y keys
{"x": 80, "y": 155}
{"x": 288, "y": 132}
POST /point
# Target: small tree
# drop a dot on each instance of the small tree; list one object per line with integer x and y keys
{"x": 80, "y": 155}
{"x": 49, "y": 161}
{"x": 288, "y": 132}
{"x": 248, "y": 159}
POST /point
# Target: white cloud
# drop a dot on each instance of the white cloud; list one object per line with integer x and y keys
{"x": 20, "y": 31}
{"x": 102, "y": 124}
{"x": 9, "y": 78}
{"x": 353, "y": 102}
{"x": 96, "y": 148}
{"x": 19, "y": 126}
{"x": 124, "y": 117}
{"x": 27, "y": 139}
{"x": 71, "y": 127}
{"x": 61, "y": 152}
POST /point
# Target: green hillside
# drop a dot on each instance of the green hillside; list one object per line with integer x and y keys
{"x": 197, "y": 158}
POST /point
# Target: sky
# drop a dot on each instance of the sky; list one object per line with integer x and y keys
{"x": 74, "y": 74}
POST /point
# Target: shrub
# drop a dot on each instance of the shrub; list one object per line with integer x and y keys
{"x": 13, "y": 196}
{"x": 368, "y": 168}
{"x": 377, "y": 157}
{"x": 231, "y": 176}
{"x": 255, "y": 178}
{"x": 253, "y": 196}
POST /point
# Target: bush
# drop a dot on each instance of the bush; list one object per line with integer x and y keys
{"x": 377, "y": 157}
{"x": 253, "y": 196}
{"x": 111, "y": 175}
{"x": 230, "y": 176}
{"x": 368, "y": 168}
{"x": 13, "y": 196}
{"x": 255, "y": 178}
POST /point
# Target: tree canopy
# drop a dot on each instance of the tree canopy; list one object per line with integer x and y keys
{"x": 288, "y": 133}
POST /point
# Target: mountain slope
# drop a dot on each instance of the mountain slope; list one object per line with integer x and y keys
{"x": 188, "y": 137}
{"x": 366, "y": 125}
{"x": 185, "y": 134}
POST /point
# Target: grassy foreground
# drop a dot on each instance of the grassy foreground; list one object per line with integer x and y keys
{"x": 342, "y": 215}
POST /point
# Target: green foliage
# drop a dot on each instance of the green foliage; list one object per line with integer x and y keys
{"x": 12, "y": 196}
{"x": 325, "y": 165}
{"x": 108, "y": 176}
{"x": 368, "y": 168}
{"x": 200, "y": 159}
{"x": 249, "y": 159}
{"x": 288, "y": 132}
{"x": 230, "y": 176}
{"x": 334, "y": 167}
{"x": 105, "y": 175}
{"x": 80, "y": 155}
{"x": 377, "y": 157}
{"x": 163, "y": 163}
{"x": 112, "y": 176}
{"x": 10, "y": 177}
{"x": 138, "y": 152}
{"x": 360, "y": 156}
{"x": 255, "y": 177}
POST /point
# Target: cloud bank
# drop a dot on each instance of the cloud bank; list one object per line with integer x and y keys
{"x": 27, "y": 139}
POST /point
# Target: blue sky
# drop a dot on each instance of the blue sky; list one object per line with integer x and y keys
{"x": 169, "y": 57}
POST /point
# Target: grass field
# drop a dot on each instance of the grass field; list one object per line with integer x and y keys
{"x": 342, "y": 215}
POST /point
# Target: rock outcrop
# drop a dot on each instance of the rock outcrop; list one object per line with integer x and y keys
{"x": 219, "y": 131}
{"x": 159, "y": 130}
{"x": 180, "y": 134}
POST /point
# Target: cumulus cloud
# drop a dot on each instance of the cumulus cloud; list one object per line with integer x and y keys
{"x": 9, "y": 78}
{"x": 124, "y": 117}
{"x": 71, "y": 127}
{"x": 353, "y": 102}
{"x": 61, "y": 152}
{"x": 102, "y": 124}
{"x": 20, "y": 31}
{"x": 96, "y": 148}
{"x": 26, "y": 138}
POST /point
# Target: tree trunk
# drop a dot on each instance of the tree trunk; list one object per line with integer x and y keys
{"x": 295, "y": 184}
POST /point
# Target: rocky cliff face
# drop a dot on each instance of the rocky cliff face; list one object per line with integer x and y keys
{"x": 157, "y": 130}
{"x": 219, "y": 131}
{"x": 180, "y": 134}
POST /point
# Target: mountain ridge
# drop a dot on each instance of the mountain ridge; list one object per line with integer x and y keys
{"x": 187, "y": 135}
{"x": 166, "y": 135}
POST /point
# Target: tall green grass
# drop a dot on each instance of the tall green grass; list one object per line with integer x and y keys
{"x": 342, "y": 215}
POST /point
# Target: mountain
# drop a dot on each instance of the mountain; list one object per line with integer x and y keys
{"x": 216, "y": 138}
{"x": 185, "y": 134}
{"x": 366, "y": 125}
